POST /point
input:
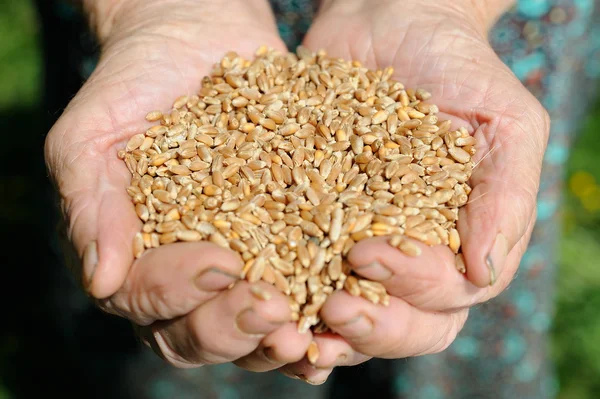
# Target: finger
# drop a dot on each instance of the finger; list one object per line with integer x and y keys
{"x": 284, "y": 345}
{"x": 511, "y": 140}
{"x": 429, "y": 281}
{"x": 306, "y": 372}
{"x": 226, "y": 328}
{"x": 334, "y": 351}
{"x": 506, "y": 117}
{"x": 512, "y": 264}
{"x": 102, "y": 225}
{"x": 81, "y": 148}
{"x": 398, "y": 330}
{"x": 173, "y": 280}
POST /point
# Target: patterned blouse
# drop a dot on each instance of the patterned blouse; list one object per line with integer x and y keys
{"x": 553, "y": 47}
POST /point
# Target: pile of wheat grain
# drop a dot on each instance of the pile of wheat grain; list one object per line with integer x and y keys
{"x": 290, "y": 160}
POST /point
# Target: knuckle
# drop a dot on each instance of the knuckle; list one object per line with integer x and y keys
{"x": 239, "y": 297}
{"x": 377, "y": 347}
{"x": 540, "y": 121}
{"x": 292, "y": 354}
{"x": 426, "y": 290}
{"x": 129, "y": 304}
{"x": 214, "y": 348}
{"x": 538, "y": 109}
{"x": 161, "y": 345}
{"x": 144, "y": 306}
{"x": 523, "y": 121}
{"x": 112, "y": 306}
{"x": 453, "y": 327}
{"x": 107, "y": 306}
{"x": 141, "y": 304}
{"x": 547, "y": 120}
{"x": 156, "y": 302}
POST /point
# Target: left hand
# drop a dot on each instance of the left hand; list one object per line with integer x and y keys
{"x": 176, "y": 295}
{"x": 441, "y": 47}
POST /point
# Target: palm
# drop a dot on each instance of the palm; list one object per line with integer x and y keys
{"x": 139, "y": 74}
{"x": 108, "y": 110}
{"x": 171, "y": 291}
{"x": 471, "y": 87}
{"x": 448, "y": 57}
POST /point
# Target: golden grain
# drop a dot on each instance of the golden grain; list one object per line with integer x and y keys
{"x": 290, "y": 162}
{"x": 313, "y": 352}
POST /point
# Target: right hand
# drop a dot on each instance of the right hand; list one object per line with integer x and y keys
{"x": 177, "y": 295}
{"x": 440, "y": 46}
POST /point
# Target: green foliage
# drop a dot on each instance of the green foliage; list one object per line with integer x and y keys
{"x": 20, "y": 65}
{"x": 575, "y": 343}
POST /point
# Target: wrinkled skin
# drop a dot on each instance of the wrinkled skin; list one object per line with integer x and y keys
{"x": 445, "y": 51}
{"x": 147, "y": 65}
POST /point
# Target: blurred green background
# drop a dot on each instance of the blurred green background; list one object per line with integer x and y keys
{"x": 576, "y": 332}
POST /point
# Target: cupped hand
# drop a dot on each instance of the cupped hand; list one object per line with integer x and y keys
{"x": 441, "y": 47}
{"x": 177, "y": 296}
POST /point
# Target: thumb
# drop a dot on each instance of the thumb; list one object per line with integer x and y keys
{"x": 100, "y": 221}
{"x": 505, "y": 181}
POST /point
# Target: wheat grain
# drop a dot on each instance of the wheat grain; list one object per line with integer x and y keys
{"x": 290, "y": 161}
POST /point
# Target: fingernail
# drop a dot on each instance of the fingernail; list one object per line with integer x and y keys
{"x": 268, "y": 354}
{"x": 375, "y": 271}
{"x": 358, "y": 327}
{"x": 318, "y": 379}
{"x": 339, "y": 361}
{"x": 289, "y": 374}
{"x": 316, "y": 383}
{"x": 249, "y": 322}
{"x": 496, "y": 258}
{"x": 214, "y": 279}
{"x": 90, "y": 261}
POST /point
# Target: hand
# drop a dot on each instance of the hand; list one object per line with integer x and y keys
{"x": 152, "y": 52}
{"x": 441, "y": 47}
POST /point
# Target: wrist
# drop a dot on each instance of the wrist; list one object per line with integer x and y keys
{"x": 101, "y": 15}
{"x": 480, "y": 14}
{"x": 485, "y": 12}
{"x": 113, "y": 20}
